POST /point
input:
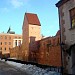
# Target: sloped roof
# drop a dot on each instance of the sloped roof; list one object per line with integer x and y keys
{"x": 32, "y": 19}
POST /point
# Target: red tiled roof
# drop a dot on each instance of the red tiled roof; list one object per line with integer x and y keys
{"x": 32, "y": 19}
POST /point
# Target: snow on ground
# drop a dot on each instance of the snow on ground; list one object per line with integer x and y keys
{"x": 3, "y": 60}
{"x": 32, "y": 69}
{"x": 14, "y": 64}
{"x": 12, "y": 58}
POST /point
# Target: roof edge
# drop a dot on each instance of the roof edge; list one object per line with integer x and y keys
{"x": 61, "y": 2}
{"x": 35, "y": 24}
{"x": 34, "y": 14}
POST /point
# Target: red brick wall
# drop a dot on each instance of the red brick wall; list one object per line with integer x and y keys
{"x": 48, "y": 52}
{"x": 50, "y": 55}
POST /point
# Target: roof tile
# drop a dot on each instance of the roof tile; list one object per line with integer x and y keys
{"x": 32, "y": 19}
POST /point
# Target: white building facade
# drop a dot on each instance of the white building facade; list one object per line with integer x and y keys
{"x": 66, "y": 9}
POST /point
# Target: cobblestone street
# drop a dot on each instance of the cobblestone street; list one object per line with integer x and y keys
{"x": 6, "y": 69}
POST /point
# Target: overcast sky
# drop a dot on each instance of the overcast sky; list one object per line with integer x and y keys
{"x": 12, "y": 14}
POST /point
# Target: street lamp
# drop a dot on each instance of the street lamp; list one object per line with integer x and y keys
{"x": 62, "y": 50}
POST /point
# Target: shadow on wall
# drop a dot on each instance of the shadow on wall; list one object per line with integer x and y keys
{"x": 32, "y": 44}
{"x": 32, "y": 49}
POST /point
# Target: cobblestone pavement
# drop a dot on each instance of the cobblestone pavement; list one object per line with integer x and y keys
{"x": 6, "y": 69}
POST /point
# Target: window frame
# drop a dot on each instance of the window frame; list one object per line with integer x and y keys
{"x": 72, "y": 16}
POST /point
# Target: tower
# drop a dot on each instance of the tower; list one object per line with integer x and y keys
{"x": 31, "y": 33}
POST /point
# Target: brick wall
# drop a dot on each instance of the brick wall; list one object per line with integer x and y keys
{"x": 50, "y": 55}
{"x": 48, "y": 52}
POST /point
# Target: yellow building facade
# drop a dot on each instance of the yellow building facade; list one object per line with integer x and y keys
{"x": 8, "y": 41}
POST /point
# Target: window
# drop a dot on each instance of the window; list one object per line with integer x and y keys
{"x": 9, "y": 48}
{"x": 5, "y": 37}
{"x": 5, "y": 43}
{"x": 1, "y": 37}
{"x": 9, "y": 37}
{"x": 9, "y": 43}
{"x": 72, "y": 17}
{"x": 15, "y": 37}
{"x": 0, "y": 43}
{"x": 19, "y": 37}
{"x": 19, "y": 43}
{"x": 0, "y": 48}
{"x": 16, "y": 43}
{"x": 5, "y": 48}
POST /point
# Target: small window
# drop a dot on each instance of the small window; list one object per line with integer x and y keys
{"x": 19, "y": 37}
{"x": 1, "y": 37}
{"x": 19, "y": 43}
{"x": 15, "y": 37}
{"x": 9, "y": 43}
{"x": 9, "y": 48}
{"x": 5, "y": 37}
{"x": 0, "y": 43}
{"x": 9, "y": 37}
{"x": 0, "y": 48}
{"x": 72, "y": 17}
{"x": 5, "y": 48}
{"x": 5, "y": 43}
{"x": 16, "y": 43}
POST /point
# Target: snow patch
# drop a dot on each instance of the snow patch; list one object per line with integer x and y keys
{"x": 32, "y": 69}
